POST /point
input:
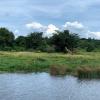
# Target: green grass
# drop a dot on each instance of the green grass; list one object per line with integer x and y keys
{"x": 31, "y": 62}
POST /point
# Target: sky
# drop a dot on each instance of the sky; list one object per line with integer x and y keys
{"x": 25, "y": 16}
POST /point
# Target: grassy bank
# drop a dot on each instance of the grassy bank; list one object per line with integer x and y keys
{"x": 30, "y": 62}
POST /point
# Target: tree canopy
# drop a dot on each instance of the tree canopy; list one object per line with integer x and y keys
{"x": 65, "y": 40}
{"x": 61, "y": 41}
{"x": 6, "y": 38}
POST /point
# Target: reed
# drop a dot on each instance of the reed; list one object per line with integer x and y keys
{"x": 88, "y": 72}
{"x": 59, "y": 70}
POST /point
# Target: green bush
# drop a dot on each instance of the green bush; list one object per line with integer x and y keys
{"x": 17, "y": 48}
{"x": 90, "y": 48}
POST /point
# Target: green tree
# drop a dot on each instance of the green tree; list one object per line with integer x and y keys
{"x": 21, "y": 41}
{"x": 65, "y": 41}
{"x": 87, "y": 44}
{"x": 34, "y": 40}
{"x": 6, "y": 38}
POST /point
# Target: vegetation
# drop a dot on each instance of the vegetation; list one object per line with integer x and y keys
{"x": 31, "y": 62}
{"x": 88, "y": 72}
{"x": 62, "y": 53}
{"x": 61, "y": 41}
{"x": 65, "y": 41}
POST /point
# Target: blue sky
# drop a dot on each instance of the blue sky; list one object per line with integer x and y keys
{"x": 24, "y": 16}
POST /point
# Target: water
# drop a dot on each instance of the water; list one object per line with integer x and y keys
{"x": 42, "y": 86}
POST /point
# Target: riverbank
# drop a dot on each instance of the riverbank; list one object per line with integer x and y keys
{"x": 37, "y": 62}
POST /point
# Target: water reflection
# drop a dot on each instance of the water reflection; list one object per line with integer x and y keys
{"x": 42, "y": 86}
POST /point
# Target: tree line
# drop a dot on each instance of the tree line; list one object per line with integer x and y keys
{"x": 61, "y": 41}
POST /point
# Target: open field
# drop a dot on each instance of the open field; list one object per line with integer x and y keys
{"x": 32, "y": 62}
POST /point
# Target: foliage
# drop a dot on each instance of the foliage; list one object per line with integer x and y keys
{"x": 65, "y": 40}
{"x": 90, "y": 48}
{"x": 6, "y": 38}
{"x": 34, "y": 40}
{"x": 30, "y": 61}
{"x": 61, "y": 41}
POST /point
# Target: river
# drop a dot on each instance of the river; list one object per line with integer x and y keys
{"x": 43, "y": 86}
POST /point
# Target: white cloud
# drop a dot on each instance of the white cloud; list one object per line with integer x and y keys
{"x": 94, "y": 34}
{"x": 16, "y": 33}
{"x": 80, "y": 29}
{"x": 75, "y": 27}
{"x": 48, "y": 30}
{"x": 35, "y": 25}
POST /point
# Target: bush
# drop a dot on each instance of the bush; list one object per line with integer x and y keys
{"x": 17, "y": 48}
{"x": 7, "y": 48}
{"x": 90, "y": 48}
{"x": 50, "y": 49}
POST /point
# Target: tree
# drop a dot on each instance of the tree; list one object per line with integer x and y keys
{"x": 88, "y": 44}
{"x": 21, "y": 41}
{"x": 64, "y": 40}
{"x": 6, "y": 38}
{"x": 90, "y": 47}
{"x": 34, "y": 40}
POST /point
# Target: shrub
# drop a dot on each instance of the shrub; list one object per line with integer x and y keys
{"x": 90, "y": 48}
